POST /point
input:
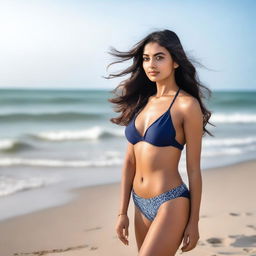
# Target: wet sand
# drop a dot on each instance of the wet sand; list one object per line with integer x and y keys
{"x": 86, "y": 225}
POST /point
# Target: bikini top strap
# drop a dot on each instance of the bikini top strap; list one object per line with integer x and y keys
{"x": 174, "y": 98}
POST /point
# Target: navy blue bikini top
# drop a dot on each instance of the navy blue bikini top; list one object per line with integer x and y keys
{"x": 160, "y": 133}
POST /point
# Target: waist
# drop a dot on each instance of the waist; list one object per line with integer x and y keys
{"x": 157, "y": 173}
{"x": 182, "y": 188}
{"x": 151, "y": 184}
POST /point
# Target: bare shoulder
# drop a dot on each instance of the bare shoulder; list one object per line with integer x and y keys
{"x": 189, "y": 105}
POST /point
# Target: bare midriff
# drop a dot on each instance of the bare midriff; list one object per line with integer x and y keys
{"x": 156, "y": 169}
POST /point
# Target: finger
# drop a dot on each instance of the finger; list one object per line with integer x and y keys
{"x": 125, "y": 241}
{"x": 126, "y": 232}
{"x": 122, "y": 237}
{"x": 183, "y": 248}
{"x": 123, "y": 232}
{"x": 189, "y": 247}
{"x": 185, "y": 240}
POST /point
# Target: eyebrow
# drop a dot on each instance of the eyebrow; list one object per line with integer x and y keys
{"x": 155, "y": 53}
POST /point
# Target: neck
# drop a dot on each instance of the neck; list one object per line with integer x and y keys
{"x": 167, "y": 87}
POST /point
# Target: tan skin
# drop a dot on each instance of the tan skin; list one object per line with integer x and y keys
{"x": 153, "y": 170}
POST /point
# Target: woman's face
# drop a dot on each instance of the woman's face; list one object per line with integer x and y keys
{"x": 157, "y": 58}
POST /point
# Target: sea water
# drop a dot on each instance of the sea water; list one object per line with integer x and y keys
{"x": 64, "y": 138}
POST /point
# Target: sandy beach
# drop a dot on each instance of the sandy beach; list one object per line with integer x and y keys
{"x": 86, "y": 226}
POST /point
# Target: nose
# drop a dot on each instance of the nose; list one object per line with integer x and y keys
{"x": 151, "y": 63}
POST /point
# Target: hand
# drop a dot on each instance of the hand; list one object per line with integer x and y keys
{"x": 191, "y": 237}
{"x": 122, "y": 226}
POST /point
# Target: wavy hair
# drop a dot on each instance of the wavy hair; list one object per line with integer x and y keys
{"x": 132, "y": 94}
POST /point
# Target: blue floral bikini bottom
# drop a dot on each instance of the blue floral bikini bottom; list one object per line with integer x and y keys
{"x": 149, "y": 206}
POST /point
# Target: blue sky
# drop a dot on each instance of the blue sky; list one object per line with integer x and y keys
{"x": 64, "y": 44}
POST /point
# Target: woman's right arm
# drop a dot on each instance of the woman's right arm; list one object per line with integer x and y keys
{"x": 128, "y": 173}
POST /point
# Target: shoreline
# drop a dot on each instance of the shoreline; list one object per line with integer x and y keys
{"x": 64, "y": 192}
{"x": 86, "y": 224}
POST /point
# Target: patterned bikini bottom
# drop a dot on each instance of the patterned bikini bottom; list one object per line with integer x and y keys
{"x": 149, "y": 206}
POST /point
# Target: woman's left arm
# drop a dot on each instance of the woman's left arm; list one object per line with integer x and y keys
{"x": 193, "y": 129}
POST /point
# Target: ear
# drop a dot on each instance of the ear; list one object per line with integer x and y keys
{"x": 176, "y": 65}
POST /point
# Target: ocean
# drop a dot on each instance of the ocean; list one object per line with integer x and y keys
{"x": 65, "y": 138}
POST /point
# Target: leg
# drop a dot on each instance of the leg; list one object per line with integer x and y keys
{"x": 141, "y": 226}
{"x": 166, "y": 231}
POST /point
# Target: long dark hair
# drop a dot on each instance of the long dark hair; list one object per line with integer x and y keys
{"x": 132, "y": 94}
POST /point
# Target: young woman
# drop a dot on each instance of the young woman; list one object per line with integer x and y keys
{"x": 161, "y": 107}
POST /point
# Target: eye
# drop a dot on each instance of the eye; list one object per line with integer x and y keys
{"x": 145, "y": 58}
{"x": 159, "y": 57}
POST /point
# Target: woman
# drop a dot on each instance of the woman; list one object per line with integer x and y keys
{"x": 161, "y": 107}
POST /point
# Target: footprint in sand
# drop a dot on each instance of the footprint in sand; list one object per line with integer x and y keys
{"x": 93, "y": 248}
{"x": 43, "y": 252}
{"x": 234, "y": 236}
{"x": 244, "y": 241}
{"x": 239, "y": 214}
{"x": 228, "y": 253}
{"x": 91, "y": 229}
{"x": 251, "y": 226}
{"x": 234, "y": 214}
{"x": 247, "y": 249}
{"x": 250, "y": 250}
{"x": 215, "y": 241}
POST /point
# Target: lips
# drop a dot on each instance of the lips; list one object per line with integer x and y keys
{"x": 153, "y": 73}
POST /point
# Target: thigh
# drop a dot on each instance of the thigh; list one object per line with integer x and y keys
{"x": 141, "y": 226}
{"x": 166, "y": 231}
